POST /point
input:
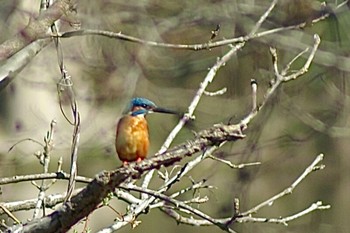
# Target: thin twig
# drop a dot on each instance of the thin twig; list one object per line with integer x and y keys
{"x": 204, "y": 46}
{"x": 65, "y": 85}
{"x": 284, "y": 220}
{"x": 45, "y": 161}
{"x": 254, "y": 85}
{"x": 231, "y": 165}
{"x": 179, "y": 204}
{"x": 42, "y": 176}
{"x": 23, "y": 140}
{"x": 6, "y": 211}
{"x": 50, "y": 201}
{"x": 263, "y": 18}
{"x": 311, "y": 168}
{"x": 215, "y": 93}
{"x": 247, "y": 216}
{"x": 279, "y": 79}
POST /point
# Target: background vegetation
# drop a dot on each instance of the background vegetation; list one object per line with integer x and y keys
{"x": 306, "y": 117}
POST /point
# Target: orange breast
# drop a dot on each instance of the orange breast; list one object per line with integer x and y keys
{"x": 132, "y": 140}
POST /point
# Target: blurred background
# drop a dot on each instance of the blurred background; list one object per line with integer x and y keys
{"x": 306, "y": 117}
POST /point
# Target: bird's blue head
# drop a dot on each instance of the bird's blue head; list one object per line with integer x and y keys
{"x": 142, "y": 106}
{"x": 142, "y": 103}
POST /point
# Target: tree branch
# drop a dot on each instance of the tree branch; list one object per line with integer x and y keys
{"x": 60, "y": 175}
{"x": 36, "y": 28}
{"x": 90, "y": 197}
{"x": 18, "y": 51}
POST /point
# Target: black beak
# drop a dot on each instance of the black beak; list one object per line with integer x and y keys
{"x": 163, "y": 110}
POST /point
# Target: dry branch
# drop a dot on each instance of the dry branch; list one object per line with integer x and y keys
{"x": 90, "y": 197}
{"x": 36, "y": 28}
{"x": 19, "y": 50}
{"x": 86, "y": 201}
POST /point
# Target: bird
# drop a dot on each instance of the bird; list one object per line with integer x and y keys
{"x": 132, "y": 136}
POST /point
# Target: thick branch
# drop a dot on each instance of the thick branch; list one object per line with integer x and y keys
{"x": 90, "y": 197}
{"x": 36, "y": 28}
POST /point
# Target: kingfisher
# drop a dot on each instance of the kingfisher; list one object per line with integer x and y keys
{"x": 132, "y": 137}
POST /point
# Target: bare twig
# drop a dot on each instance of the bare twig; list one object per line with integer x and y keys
{"x": 121, "y": 36}
{"x": 231, "y": 165}
{"x": 45, "y": 161}
{"x": 224, "y": 223}
{"x": 215, "y": 93}
{"x": 42, "y": 176}
{"x": 204, "y": 46}
{"x": 23, "y": 140}
{"x": 284, "y": 220}
{"x": 254, "y": 85}
{"x": 313, "y": 166}
{"x": 6, "y": 211}
{"x": 65, "y": 85}
{"x": 179, "y": 205}
{"x": 279, "y": 79}
{"x": 252, "y": 35}
{"x": 263, "y": 18}
{"x": 194, "y": 187}
{"x": 247, "y": 216}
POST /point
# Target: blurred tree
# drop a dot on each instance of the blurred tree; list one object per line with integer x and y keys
{"x": 303, "y": 118}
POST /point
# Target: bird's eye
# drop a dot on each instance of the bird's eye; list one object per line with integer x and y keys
{"x": 145, "y": 106}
